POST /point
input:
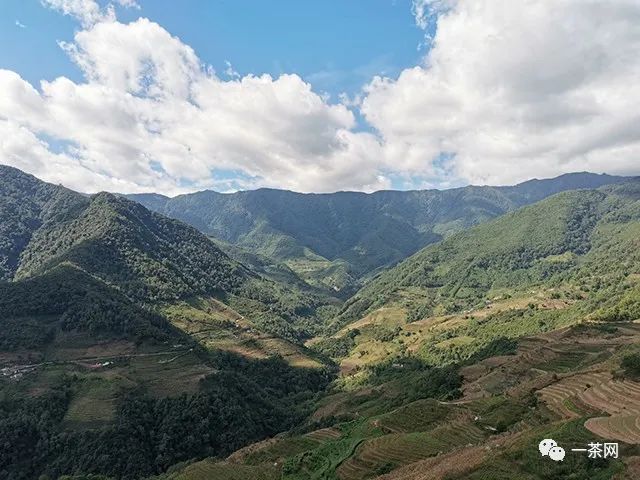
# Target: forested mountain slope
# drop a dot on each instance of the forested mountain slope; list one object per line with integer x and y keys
{"x": 130, "y": 342}
{"x": 26, "y": 204}
{"x": 570, "y": 257}
{"x": 335, "y": 239}
{"x": 145, "y": 256}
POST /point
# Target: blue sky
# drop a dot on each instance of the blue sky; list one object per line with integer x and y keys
{"x": 337, "y": 45}
{"x": 176, "y": 96}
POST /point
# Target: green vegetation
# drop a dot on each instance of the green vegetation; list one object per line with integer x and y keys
{"x": 103, "y": 272}
{"x": 133, "y": 345}
{"x": 67, "y": 298}
{"x": 351, "y": 235}
{"x": 523, "y": 460}
{"x": 244, "y": 401}
{"x": 545, "y": 266}
{"x": 631, "y": 365}
{"x": 208, "y": 469}
{"x": 149, "y": 257}
{"x": 509, "y": 252}
{"x": 26, "y": 204}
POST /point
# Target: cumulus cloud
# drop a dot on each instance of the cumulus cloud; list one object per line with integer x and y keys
{"x": 150, "y": 116}
{"x": 507, "y": 91}
{"x": 88, "y": 12}
{"x": 128, "y": 4}
{"x": 426, "y": 12}
{"x": 512, "y": 90}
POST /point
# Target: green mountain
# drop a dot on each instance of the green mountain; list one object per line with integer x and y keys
{"x": 132, "y": 345}
{"x": 457, "y": 362}
{"x": 334, "y": 240}
{"x": 569, "y": 257}
{"x": 130, "y": 342}
{"x": 145, "y": 256}
{"x": 26, "y": 204}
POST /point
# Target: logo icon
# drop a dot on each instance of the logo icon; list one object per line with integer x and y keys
{"x": 549, "y": 447}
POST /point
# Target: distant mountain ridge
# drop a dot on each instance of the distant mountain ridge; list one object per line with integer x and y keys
{"x": 334, "y": 239}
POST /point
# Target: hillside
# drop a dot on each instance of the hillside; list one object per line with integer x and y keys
{"x": 455, "y": 363}
{"x": 334, "y": 240}
{"x": 26, "y": 204}
{"x": 146, "y": 256}
{"x": 130, "y": 342}
{"x": 481, "y": 419}
{"x": 569, "y": 257}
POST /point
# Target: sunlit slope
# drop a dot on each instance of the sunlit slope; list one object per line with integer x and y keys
{"x": 551, "y": 385}
{"x": 26, "y": 204}
{"x": 572, "y": 237}
{"x": 146, "y": 257}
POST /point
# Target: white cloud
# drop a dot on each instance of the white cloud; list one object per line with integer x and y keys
{"x": 427, "y": 11}
{"x": 88, "y": 12}
{"x": 230, "y": 71}
{"x": 128, "y": 4}
{"x": 20, "y": 24}
{"x": 508, "y": 91}
{"x": 150, "y": 116}
{"x": 512, "y": 90}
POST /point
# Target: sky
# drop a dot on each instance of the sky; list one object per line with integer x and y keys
{"x": 173, "y": 97}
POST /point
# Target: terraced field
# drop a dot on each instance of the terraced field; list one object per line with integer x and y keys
{"x": 168, "y": 374}
{"x": 92, "y": 406}
{"x": 276, "y": 452}
{"x": 388, "y": 316}
{"x": 559, "y": 395}
{"x": 510, "y": 402}
{"x": 324, "y": 434}
{"x": 418, "y": 416}
{"x": 588, "y": 393}
{"x": 209, "y": 470}
{"x": 218, "y": 327}
{"x": 447, "y": 466}
{"x": 382, "y": 454}
{"x": 623, "y": 428}
{"x": 621, "y": 400}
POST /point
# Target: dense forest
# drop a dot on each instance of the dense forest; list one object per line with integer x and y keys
{"x": 241, "y": 403}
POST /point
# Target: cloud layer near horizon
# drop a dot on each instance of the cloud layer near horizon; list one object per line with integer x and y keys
{"x": 506, "y": 92}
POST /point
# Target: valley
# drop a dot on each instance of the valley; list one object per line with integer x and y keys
{"x": 134, "y": 345}
{"x": 558, "y": 384}
{"x": 351, "y": 236}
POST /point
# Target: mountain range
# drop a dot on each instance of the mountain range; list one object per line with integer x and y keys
{"x": 337, "y": 240}
{"x": 276, "y": 335}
